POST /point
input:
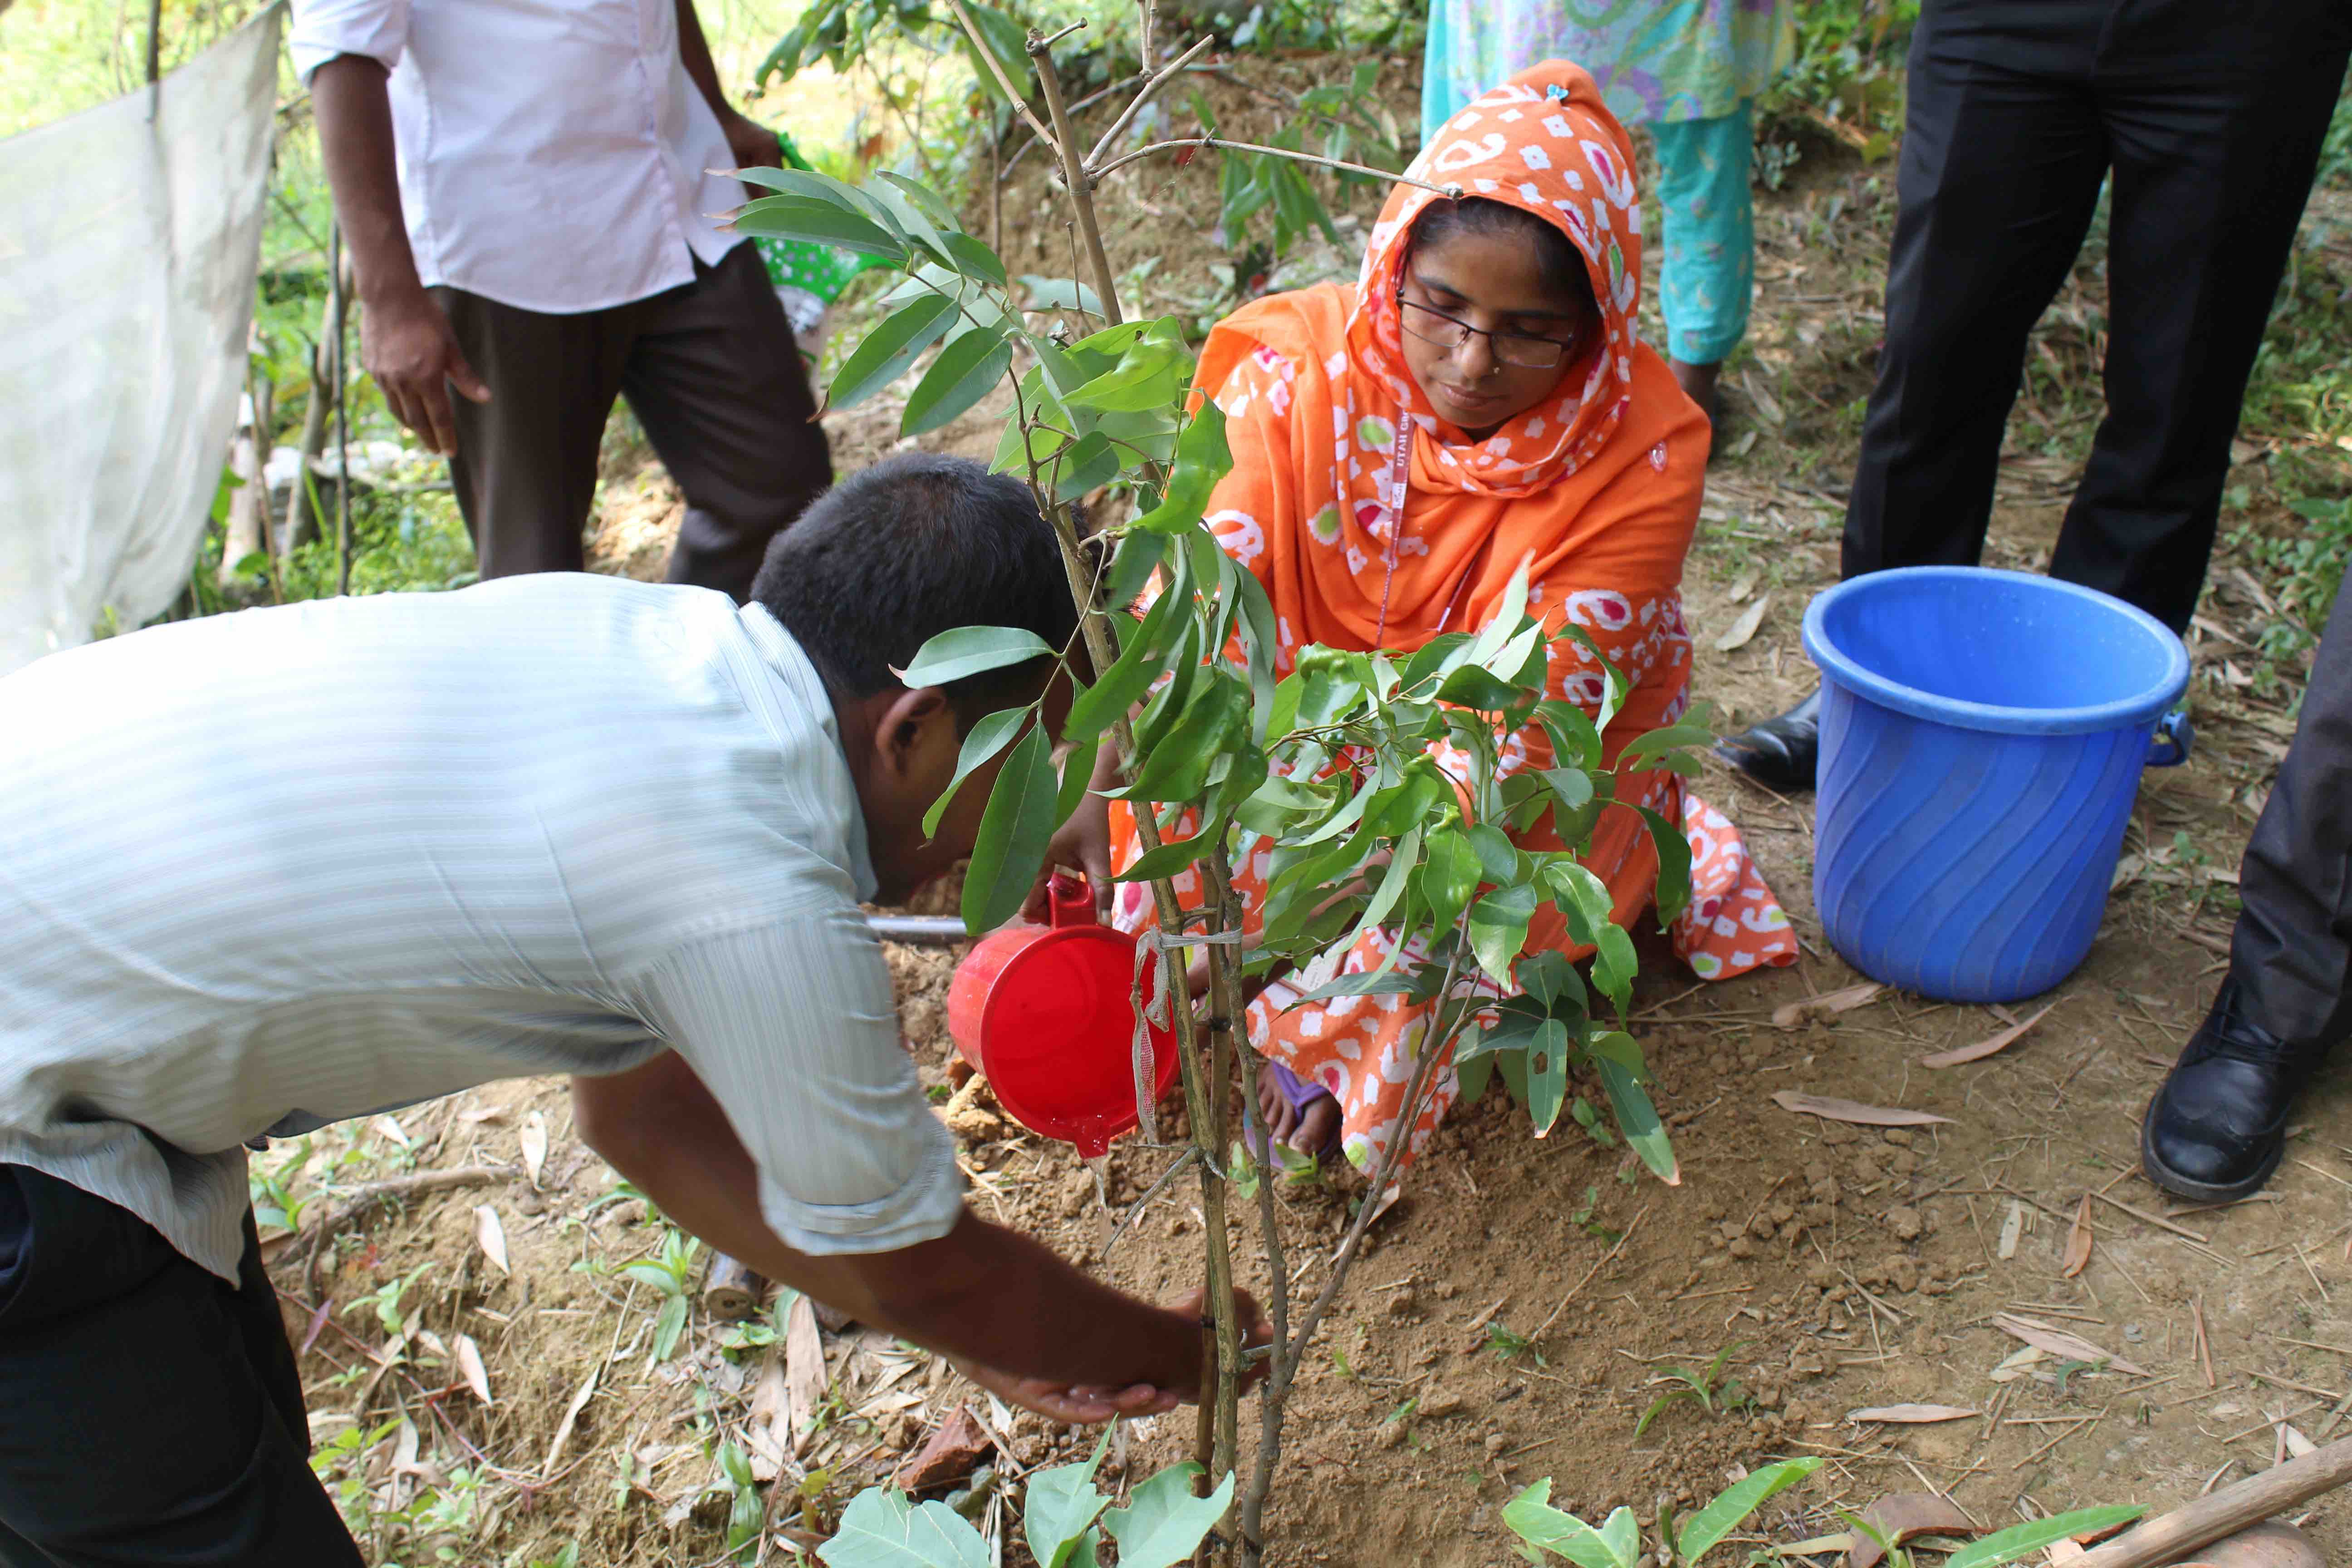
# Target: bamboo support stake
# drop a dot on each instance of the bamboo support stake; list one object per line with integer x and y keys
{"x": 1079, "y": 184}
{"x": 2225, "y": 1512}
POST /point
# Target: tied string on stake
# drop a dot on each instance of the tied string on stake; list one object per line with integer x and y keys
{"x": 1153, "y": 943}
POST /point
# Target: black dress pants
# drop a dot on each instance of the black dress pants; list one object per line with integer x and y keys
{"x": 714, "y": 376}
{"x": 151, "y": 1412}
{"x": 2292, "y": 951}
{"x": 2208, "y": 116}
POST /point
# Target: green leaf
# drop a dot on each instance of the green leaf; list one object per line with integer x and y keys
{"x": 973, "y": 259}
{"x": 1614, "y": 680}
{"x": 819, "y": 222}
{"x": 1449, "y": 876}
{"x": 882, "y": 1529}
{"x": 1656, "y": 742}
{"x": 1471, "y": 1079}
{"x": 923, "y": 198}
{"x": 1005, "y": 39}
{"x": 962, "y": 375}
{"x": 1174, "y": 855}
{"x": 1499, "y": 858}
{"x": 1575, "y": 742}
{"x": 961, "y": 651}
{"x": 1721, "y": 1517}
{"x": 1637, "y": 1118}
{"x": 1572, "y": 787}
{"x": 1472, "y": 687}
{"x": 987, "y": 738}
{"x": 1059, "y": 294}
{"x": 809, "y": 185}
{"x": 1090, "y": 463}
{"x": 1673, "y": 865}
{"x": 1547, "y": 1075}
{"x": 1124, "y": 683}
{"x": 1163, "y": 1521}
{"x": 2023, "y": 1539}
{"x": 1533, "y": 1520}
{"x": 652, "y": 1274}
{"x": 1498, "y": 929}
{"x": 1178, "y": 766}
{"x": 1061, "y": 1507}
{"x": 1623, "y": 1534}
{"x": 1202, "y": 460}
{"x": 1509, "y": 615}
{"x": 1078, "y": 777}
{"x": 1150, "y": 375}
{"x": 889, "y": 349}
{"x": 669, "y": 1326}
{"x": 1013, "y": 833}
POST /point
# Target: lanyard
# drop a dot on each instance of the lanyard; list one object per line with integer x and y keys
{"x": 1400, "y": 471}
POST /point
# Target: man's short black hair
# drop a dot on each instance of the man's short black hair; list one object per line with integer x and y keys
{"x": 915, "y": 545}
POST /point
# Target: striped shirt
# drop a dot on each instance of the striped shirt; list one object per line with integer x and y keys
{"x": 263, "y": 871}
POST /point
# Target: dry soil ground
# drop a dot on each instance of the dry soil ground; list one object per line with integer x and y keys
{"x": 1842, "y": 1269}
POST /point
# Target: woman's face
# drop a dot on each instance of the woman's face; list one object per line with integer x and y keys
{"x": 1494, "y": 284}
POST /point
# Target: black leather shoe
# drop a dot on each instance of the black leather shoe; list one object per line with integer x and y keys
{"x": 2215, "y": 1130}
{"x": 1779, "y": 753}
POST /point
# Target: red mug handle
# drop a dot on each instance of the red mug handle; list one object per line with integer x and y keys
{"x": 1070, "y": 900}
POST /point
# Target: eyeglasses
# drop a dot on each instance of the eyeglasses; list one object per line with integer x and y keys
{"x": 1450, "y": 334}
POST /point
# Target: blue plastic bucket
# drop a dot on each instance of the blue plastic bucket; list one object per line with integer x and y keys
{"x": 1982, "y": 737}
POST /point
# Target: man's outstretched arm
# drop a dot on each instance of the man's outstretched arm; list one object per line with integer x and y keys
{"x": 988, "y": 1297}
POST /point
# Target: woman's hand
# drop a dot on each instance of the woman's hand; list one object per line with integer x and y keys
{"x": 1083, "y": 844}
{"x": 1071, "y": 1407}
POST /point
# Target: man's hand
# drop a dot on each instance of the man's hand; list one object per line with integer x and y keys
{"x": 1071, "y": 1407}
{"x": 754, "y": 145}
{"x": 406, "y": 344}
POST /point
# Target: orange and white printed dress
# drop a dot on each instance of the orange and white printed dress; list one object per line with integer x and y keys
{"x": 1597, "y": 491}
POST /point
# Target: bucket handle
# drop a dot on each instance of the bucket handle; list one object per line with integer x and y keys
{"x": 1070, "y": 901}
{"x": 2175, "y": 737}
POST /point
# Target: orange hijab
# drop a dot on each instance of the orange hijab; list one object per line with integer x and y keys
{"x": 1599, "y": 484}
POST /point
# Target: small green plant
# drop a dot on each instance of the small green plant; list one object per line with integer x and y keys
{"x": 1617, "y": 1542}
{"x": 758, "y": 1335}
{"x": 672, "y": 1274}
{"x": 745, "y": 1514}
{"x": 385, "y": 1300}
{"x": 270, "y": 1186}
{"x": 1715, "y": 1393}
{"x": 1509, "y": 1344}
{"x": 1064, "y": 1520}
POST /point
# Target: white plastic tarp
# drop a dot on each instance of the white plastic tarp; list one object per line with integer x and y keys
{"x": 129, "y": 235}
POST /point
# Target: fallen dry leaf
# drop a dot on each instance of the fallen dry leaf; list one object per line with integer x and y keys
{"x": 1790, "y": 1015}
{"x": 469, "y": 1363}
{"x": 1739, "y": 631}
{"x": 2012, "y": 1227}
{"x": 953, "y": 1452}
{"x": 2297, "y": 1444}
{"x": 1986, "y": 1048}
{"x": 2078, "y": 1239}
{"x": 1834, "y": 1110}
{"x": 2057, "y": 1341}
{"x": 492, "y": 1236}
{"x": 804, "y": 1379}
{"x": 571, "y": 1415}
{"x": 385, "y": 1127}
{"x": 534, "y": 1138}
{"x": 1904, "y": 1517}
{"x": 1913, "y": 1414}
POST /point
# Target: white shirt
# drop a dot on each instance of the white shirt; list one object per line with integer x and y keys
{"x": 553, "y": 153}
{"x": 263, "y": 871}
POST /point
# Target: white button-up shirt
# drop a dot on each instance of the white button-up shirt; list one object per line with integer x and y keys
{"x": 266, "y": 870}
{"x": 554, "y": 155}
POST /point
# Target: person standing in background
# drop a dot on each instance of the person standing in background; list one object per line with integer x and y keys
{"x": 532, "y": 196}
{"x": 1689, "y": 69}
{"x": 2205, "y": 123}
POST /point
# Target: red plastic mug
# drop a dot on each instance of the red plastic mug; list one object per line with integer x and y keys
{"x": 1046, "y": 1012}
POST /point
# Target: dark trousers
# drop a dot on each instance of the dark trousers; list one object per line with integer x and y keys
{"x": 2292, "y": 953}
{"x": 150, "y": 1412}
{"x": 2208, "y": 116}
{"x": 713, "y": 374}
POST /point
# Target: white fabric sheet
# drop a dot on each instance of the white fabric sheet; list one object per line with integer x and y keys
{"x": 129, "y": 235}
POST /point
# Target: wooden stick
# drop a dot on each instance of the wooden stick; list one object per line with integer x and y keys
{"x": 733, "y": 1291}
{"x": 2157, "y": 1220}
{"x": 2226, "y": 1511}
{"x": 2203, "y": 1347}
